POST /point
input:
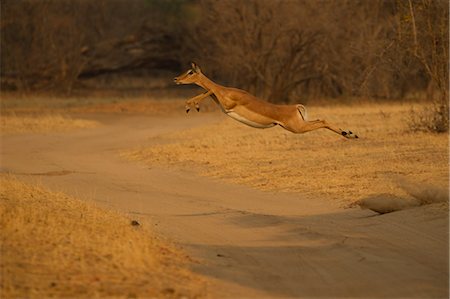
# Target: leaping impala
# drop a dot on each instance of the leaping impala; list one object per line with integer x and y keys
{"x": 250, "y": 110}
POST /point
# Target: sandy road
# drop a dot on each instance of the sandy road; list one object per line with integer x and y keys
{"x": 248, "y": 243}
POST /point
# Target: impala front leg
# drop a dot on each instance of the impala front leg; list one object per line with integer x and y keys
{"x": 196, "y": 100}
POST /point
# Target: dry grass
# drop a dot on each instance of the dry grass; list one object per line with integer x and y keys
{"x": 14, "y": 124}
{"x": 56, "y": 246}
{"x": 316, "y": 164}
{"x": 137, "y": 106}
{"x": 49, "y": 113}
{"x": 162, "y": 103}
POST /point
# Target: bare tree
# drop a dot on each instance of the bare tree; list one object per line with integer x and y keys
{"x": 284, "y": 50}
{"x": 258, "y": 46}
{"x": 428, "y": 39}
{"x": 423, "y": 31}
{"x": 41, "y": 42}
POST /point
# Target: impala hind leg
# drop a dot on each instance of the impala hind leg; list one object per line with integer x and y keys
{"x": 307, "y": 126}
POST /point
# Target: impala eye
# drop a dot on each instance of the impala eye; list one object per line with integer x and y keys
{"x": 190, "y": 72}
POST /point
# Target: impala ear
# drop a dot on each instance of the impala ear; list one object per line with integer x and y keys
{"x": 195, "y": 67}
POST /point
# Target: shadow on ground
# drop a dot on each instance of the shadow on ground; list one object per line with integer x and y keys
{"x": 348, "y": 254}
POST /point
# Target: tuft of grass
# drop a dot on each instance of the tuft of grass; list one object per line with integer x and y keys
{"x": 53, "y": 245}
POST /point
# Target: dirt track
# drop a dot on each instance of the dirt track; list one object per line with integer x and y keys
{"x": 249, "y": 243}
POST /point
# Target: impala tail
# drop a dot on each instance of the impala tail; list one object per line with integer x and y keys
{"x": 302, "y": 110}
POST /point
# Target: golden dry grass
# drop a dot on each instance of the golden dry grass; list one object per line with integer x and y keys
{"x": 137, "y": 106}
{"x": 12, "y": 103}
{"x": 14, "y": 124}
{"x": 99, "y": 102}
{"x": 53, "y": 245}
{"x": 316, "y": 164}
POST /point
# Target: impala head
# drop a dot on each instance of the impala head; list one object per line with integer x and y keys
{"x": 190, "y": 76}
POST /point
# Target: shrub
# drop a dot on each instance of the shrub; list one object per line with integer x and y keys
{"x": 430, "y": 119}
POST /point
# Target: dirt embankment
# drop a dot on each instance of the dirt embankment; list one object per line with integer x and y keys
{"x": 53, "y": 245}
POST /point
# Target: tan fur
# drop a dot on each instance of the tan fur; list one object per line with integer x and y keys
{"x": 248, "y": 109}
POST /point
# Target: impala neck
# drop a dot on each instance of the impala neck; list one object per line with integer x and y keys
{"x": 206, "y": 83}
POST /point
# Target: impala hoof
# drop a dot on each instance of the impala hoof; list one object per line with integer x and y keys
{"x": 349, "y": 134}
{"x": 198, "y": 109}
{"x": 187, "y": 110}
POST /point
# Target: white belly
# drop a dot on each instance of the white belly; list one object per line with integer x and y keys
{"x": 250, "y": 123}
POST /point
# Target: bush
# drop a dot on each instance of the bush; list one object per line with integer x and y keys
{"x": 430, "y": 119}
